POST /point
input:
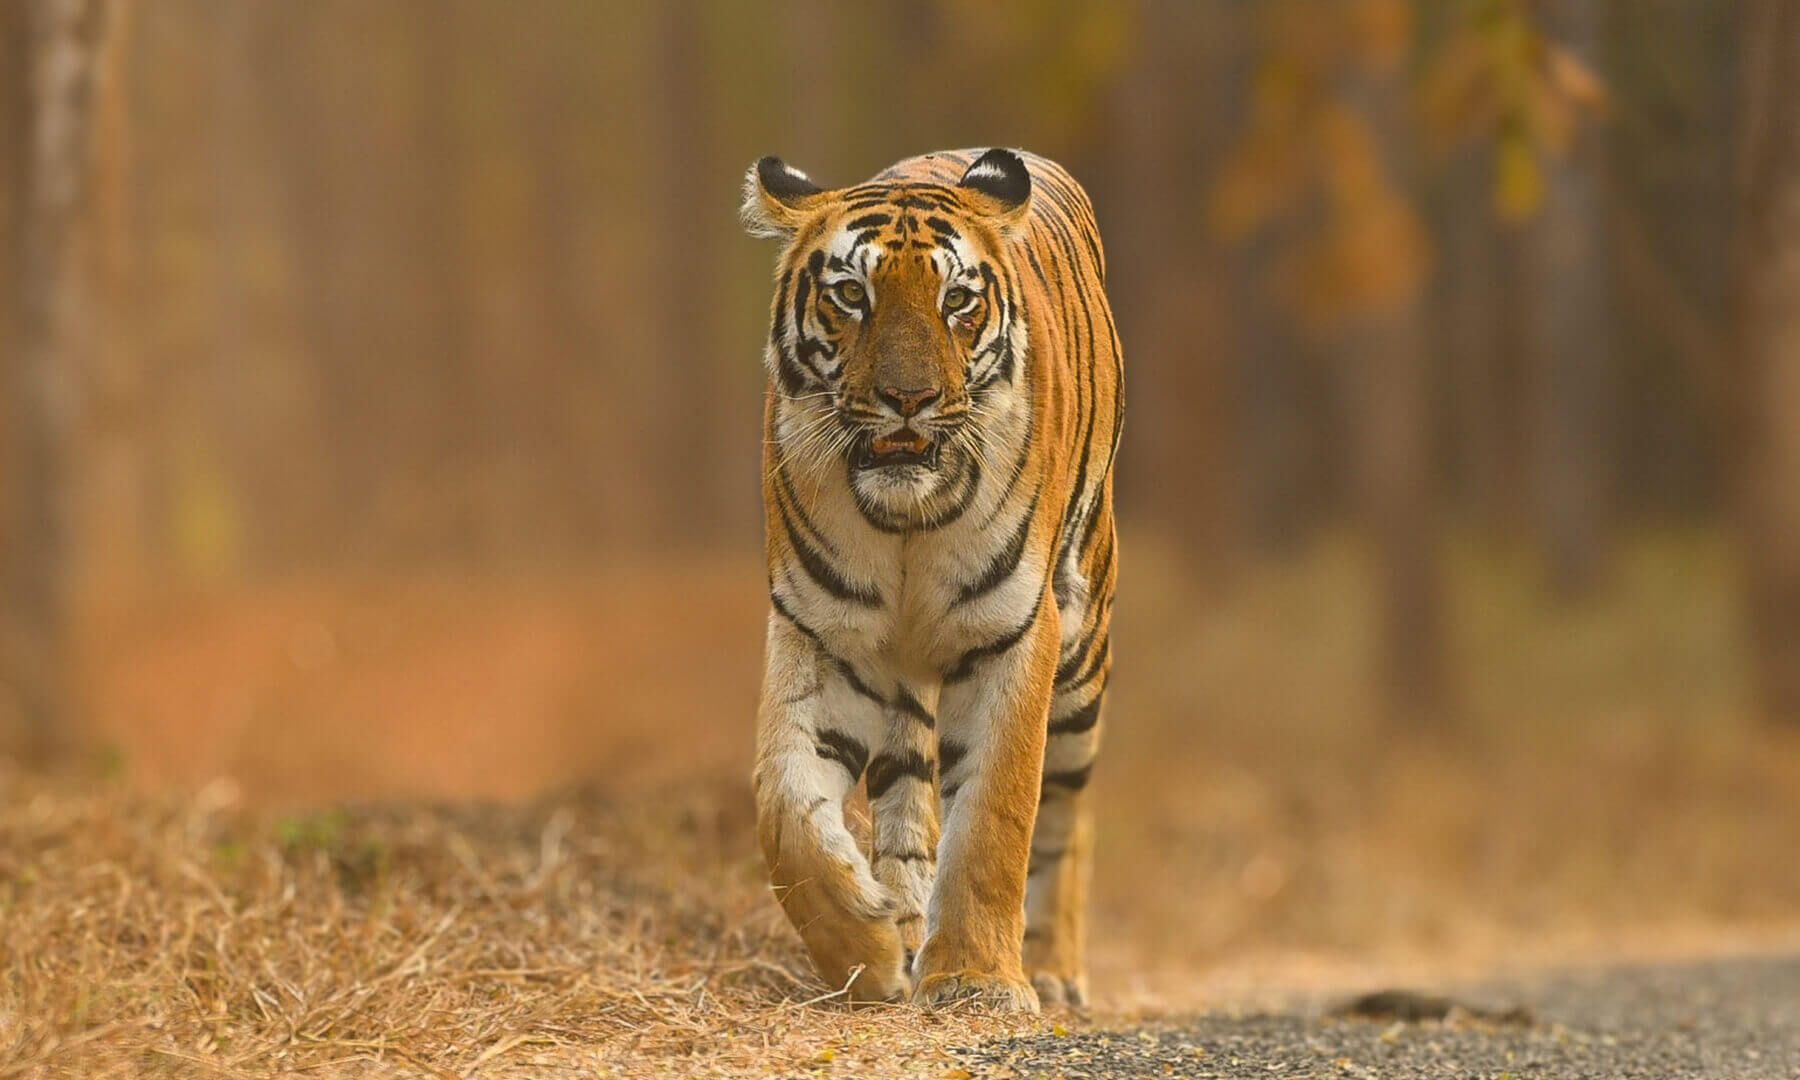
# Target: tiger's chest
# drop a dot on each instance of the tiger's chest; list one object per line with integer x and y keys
{"x": 939, "y": 595}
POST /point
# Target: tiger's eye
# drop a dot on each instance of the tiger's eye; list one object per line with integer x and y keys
{"x": 956, "y": 298}
{"x": 851, "y": 292}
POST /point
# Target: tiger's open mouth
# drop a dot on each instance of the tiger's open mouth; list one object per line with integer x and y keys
{"x": 902, "y": 447}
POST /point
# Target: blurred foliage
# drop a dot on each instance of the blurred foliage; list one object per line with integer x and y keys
{"x": 1494, "y": 80}
{"x": 1497, "y": 79}
{"x": 1310, "y": 151}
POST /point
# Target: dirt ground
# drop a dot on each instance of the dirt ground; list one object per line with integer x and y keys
{"x": 313, "y": 831}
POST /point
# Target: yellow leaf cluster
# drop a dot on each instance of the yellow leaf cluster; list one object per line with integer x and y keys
{"x": 1498, "y": 79}
{"x": 1310, "y": 151}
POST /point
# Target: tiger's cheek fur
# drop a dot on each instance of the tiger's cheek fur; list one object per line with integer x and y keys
{"x": 939, "y": 634}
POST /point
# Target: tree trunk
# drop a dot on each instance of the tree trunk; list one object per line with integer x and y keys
{"x": 1171, "y": 316}
{"x": 110, "y": 517}
{"x": 49, "y": 102}
{"x": 1567, "y": 341}
{"x": 1469, "y": 292}
{"x": 1768, "y": 313}
{"x": 690, "y": 462}
{"x": 1390, "y": 413}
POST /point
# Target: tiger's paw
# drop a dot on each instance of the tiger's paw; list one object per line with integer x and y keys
{"x": 879, "y": 983}
{"x": 862, "y": 958}
{"x": 991, "y": 993}
{"x": 1055, "y": 989}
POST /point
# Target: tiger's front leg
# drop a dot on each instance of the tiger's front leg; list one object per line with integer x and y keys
{"x": 993, "y": 712}
{"x": 814, "y": 729}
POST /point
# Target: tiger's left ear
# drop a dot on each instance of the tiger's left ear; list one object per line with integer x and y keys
{"x": 778, "y": 198}
{"x": 1001, "y": 186}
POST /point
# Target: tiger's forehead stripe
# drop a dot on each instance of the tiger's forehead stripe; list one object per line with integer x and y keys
{"x": 877, "y": 219}
{"x": 884, "y": 218}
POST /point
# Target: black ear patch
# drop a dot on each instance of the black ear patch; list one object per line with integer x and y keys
{"x": 1001, "y": 174}
{"x": 782, "y": 181}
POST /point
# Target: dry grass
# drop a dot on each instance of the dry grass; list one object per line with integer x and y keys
{"x": 184, "y": 938}
{"x": 1603, "y": 792}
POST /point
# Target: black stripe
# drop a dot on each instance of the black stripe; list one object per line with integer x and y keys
{"x": 1080, "y": 209}
{"x": 1087, "y": 381}
{"x": 868, "y": 221}
{"x": 920, "y": 198}
{"x": 778, "y": 325}
{"x": 990, "y": 311}
{"x": 1074, "y": 779}
{"x": 965, "y": 666}
{"x": 785, "y": 612}
{"x": 1056, "y": 196}
{"x": 803, "y": 282}
{"x": 820, "y": 570}
{"x": 807, "y": 348}
{"x": 1012, "y": 481}
{"x": 1014, "y": 309}
{"x": 856, "y": 683}
{"x": 843, "y": 749}
{"x": 1005, "y": 561}
{"x": 888, "y": 769}
{"x": 1003, "y": 338}
{"x": 911, "y": 706}
{"x": 1087, "y": 535}
{"x": 1080, "y": 720}
{"x": 950, "y": 755}
{"x": 785, "y": 490}
{"x": 793, "y": 378}
{"x": 1093, "y": 665}
{"x": 843, "y": 666}
{"x": 1071, "y": 663}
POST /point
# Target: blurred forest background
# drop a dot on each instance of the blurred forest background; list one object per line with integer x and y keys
{"x": 382, "y": 400}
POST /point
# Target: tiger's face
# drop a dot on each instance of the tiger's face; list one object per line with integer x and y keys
{"x": 896, "y": 324}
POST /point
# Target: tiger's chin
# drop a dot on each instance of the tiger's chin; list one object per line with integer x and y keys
{"x": 911, "y": 489}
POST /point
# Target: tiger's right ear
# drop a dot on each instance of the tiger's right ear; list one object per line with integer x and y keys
{"x": 778, "y": 198}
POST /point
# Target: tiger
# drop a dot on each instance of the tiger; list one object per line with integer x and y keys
{"x": 942, "y": 411}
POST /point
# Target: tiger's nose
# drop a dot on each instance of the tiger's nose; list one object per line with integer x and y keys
{"x": 907, "y": 402}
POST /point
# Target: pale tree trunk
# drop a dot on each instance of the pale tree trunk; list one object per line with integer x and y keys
{"x": 109, "y": 517}
{"x": 53, "y": 48}
{"x": 1390, "y": 414}
{"x": 1567, "y": 341}
{"x": 1768, "y": 312}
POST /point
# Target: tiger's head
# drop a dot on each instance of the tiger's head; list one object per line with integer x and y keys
{"x": 897, "y": 323}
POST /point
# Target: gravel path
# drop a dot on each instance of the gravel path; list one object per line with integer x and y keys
{"x": 1718, "y": 1020}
